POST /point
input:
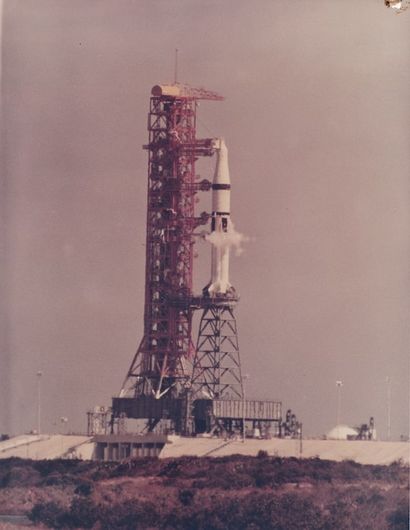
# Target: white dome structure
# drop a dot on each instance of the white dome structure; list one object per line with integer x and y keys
{"x": 342, "y": 432}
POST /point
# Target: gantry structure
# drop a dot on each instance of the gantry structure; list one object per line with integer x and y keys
{"x": 169, "y": 377}
{"x": 159, "y": 366}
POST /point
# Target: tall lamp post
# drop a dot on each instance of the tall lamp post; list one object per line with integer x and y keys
{"x": 245, "y": 377}
{"x": 388, "y": 400}
{"x": 39, "y": 374}
{"x": 339, "y": 385}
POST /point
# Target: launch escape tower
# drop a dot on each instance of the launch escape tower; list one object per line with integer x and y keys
{"x": 170, "y": 379}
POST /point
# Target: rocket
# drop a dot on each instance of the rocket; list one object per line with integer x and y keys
{"x": 220, "y": 227}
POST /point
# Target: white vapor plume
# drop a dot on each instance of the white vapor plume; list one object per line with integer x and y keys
{"x": 228, "y": 239}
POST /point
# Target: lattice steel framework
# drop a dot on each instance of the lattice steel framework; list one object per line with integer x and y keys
{"x": 216, "y": 368}
{"x": 158, "y": 366}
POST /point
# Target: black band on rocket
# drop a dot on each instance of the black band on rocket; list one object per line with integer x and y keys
{"x": 221, "y": 213}
{"x": 221, "y": 186}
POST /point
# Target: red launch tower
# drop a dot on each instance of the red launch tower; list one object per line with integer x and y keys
{"x": 158, "y": 367}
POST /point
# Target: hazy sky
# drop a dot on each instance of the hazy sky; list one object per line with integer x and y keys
{"x": 316, "y": 119}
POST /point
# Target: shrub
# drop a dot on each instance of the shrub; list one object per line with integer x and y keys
{"x": 186, "y": 496}
{"x": 48, "y": 513}
{"x": 262, "y": 454}
{"x": 255, "y": 511}
{"x": 130, "y": 515}
{"x": 57, "y": 479}
{"x": 85, "y": 487}
{"x": 171, "y": 469}
{"x": 349, "y": 470}
{"x": 18, "y": 475}
{"x": 399, "y": 519}
{"x": 83, "y": 513}
{"x": 62, "y": 466}
{"x": 5, "y": 480}
{"x": 263, "y": 478}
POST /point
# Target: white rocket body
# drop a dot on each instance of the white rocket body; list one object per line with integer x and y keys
{"x": 221, "y": 211}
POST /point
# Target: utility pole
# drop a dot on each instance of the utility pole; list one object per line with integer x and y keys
{"x": 388, "y": 401}
{"x": 39, "y": 374}
{"x": 176, "y": 67}
{"x": 244, "y": 379}
{"x": 339, "y": 385}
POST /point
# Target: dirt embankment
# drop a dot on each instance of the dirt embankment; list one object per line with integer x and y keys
{"x": 234, "y": 492}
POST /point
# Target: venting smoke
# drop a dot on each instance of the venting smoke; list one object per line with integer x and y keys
{"x": 229, "y": 239}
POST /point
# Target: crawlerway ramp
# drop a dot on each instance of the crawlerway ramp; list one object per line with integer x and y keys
{"x": 47, "y": 446}
{"x": 76, "y": 446}
{"x": 363, "y": 452}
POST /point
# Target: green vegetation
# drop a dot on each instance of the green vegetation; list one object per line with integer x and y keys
{"x": 189, "y": 493}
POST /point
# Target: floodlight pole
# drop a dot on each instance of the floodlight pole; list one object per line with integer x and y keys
{"x": 339, "y": 385}
{"x": 39, "y": 374}
{"x": 388, "y": 399}
{"x": 244, "y": 379}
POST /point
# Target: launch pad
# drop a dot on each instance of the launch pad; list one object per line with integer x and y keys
{"x": 172, "y": 385}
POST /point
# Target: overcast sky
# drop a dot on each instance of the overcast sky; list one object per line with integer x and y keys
{"x": 316, "y": 119}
